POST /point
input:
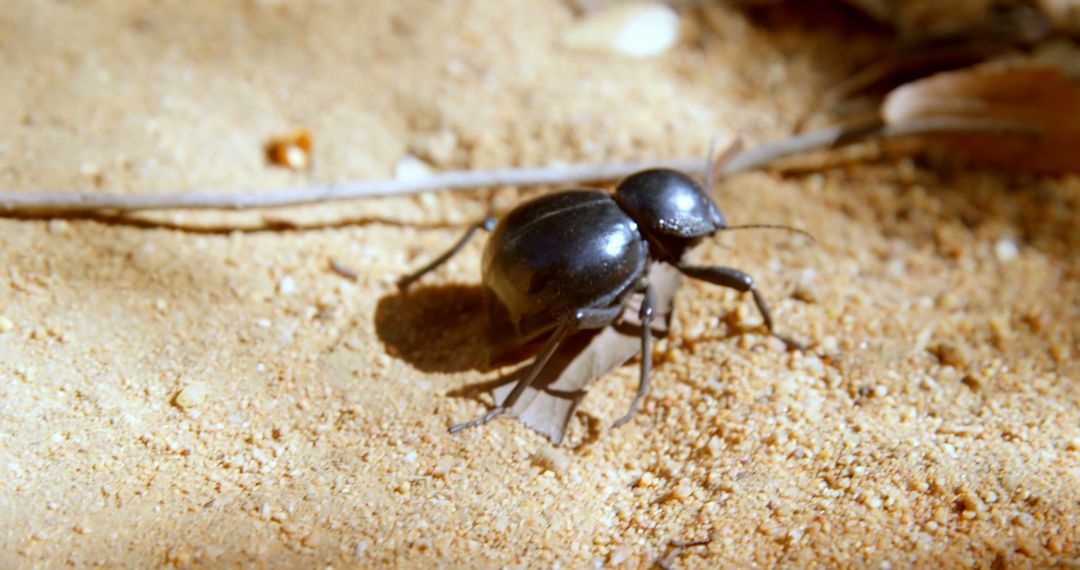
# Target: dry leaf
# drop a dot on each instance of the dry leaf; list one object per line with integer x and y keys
{"x": 549, "y": 403}
{"x": 1040, "y": 97}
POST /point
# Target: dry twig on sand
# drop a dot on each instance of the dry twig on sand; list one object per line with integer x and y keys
{"x": 44, "y": 204}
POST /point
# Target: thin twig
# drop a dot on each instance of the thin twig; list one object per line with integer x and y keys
{"x": 834, "y": 137}
{"x": 68, "y": 203}
{"x": 830, "y": 137}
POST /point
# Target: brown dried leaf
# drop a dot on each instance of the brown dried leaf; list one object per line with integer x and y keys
{"x": 548, "y": 405}
{"x": 1038, "y": 96}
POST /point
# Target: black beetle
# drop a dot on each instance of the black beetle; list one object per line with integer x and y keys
{"x": 567, "y": 261}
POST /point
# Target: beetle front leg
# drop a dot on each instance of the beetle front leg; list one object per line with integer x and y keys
{"x": 734, "y": 279}
{"x": 645, "y": 315}
{"x": 486, "y": 224}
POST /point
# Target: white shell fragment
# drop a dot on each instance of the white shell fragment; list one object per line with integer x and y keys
{"x": 1006, "y": 249}
{"x": 192, "y": 396}
{"x": 287, "y": 285}
{"x": 634, "y": 29}
{"x": 411, "y": 168}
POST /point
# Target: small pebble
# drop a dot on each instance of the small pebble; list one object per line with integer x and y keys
{"x": 291, "y": 528}
{"x": 59, "y": 226}
{"x": 634, "y": 29}
{"x": 344, "y": 270}
{"x": 292, "y": 151}
{"x": 192, "y": 395}
{"x": 619, "y": 556}
{"x": 435, "y": 148}
{"x": 1023, "y": 520}
{"x": 6, "y": 325}
{"x": 806, "y": 292}
{"x": 972, "y": 381}
{"x": 551, "y": 459}
{"x": 1006, "y": 249}
{"x": 411, "y": 168}
{"x": 951, "y": 355}
{"x": 927, "y": 383}
{"x": 443, "y": 467}
{"x": 647, "y": 480}
{"x": 287, "y": 285}
{"x": 896, "y": 267}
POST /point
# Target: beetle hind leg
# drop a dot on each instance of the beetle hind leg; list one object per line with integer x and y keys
{"x": 645, "y": 315}
{"x": 486, "y": 224}
{"x": 581, "y": 319}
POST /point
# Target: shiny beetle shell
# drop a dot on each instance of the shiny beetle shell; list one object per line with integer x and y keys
{"x": 558, "y": 253}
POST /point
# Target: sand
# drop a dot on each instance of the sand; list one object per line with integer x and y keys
{"x": 180, "y": 393}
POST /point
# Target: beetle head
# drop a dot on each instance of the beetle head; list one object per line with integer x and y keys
{"x": 671, "y": 209}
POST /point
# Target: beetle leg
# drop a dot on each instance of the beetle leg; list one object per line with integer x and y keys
{"x": 645, "y": 315}
{"x": 739, "y": 281}
{"x": 549, "y": 348}
{"x": 578, "y": 320}
{"x": 535, "y": 368}
{"x": 594, "y": 318}
{"x": 486, "y": 224}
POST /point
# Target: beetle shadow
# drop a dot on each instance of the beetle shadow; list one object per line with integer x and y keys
{"x": 439, "y": 328}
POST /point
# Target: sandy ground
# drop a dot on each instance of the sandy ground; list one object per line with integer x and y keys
{"x": 186, "y": 394}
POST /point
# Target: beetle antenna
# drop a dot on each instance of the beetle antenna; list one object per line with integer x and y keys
{"x": 709, "y": 165}
{"x": 769, "y": 227}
